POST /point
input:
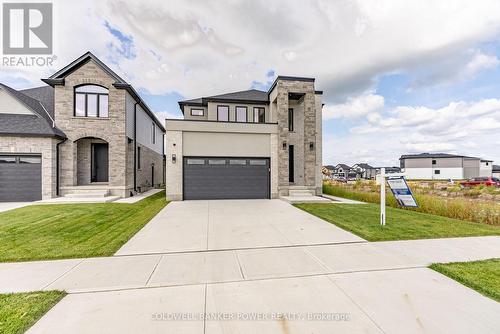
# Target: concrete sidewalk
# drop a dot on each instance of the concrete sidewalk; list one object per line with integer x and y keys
{"x": 177, "y": 269}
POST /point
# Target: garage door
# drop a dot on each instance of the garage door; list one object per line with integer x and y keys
{"x": 226, "y": 178}
{"x": 20, "y": 178}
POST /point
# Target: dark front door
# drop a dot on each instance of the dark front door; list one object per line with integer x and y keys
{"x": 291, "y": 167}
{"x": 99, "y": 162}
{"x": 226, "y": 178}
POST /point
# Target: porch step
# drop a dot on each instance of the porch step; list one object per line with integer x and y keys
{"x": 293, "y": 192}
{"x": 88, "y": 193}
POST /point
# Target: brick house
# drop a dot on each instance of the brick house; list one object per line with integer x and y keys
{"x": 87, "y": 132}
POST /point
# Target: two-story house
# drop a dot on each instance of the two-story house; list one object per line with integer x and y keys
{"x": 86, "y": 133}
{"x": 247, "y": 144}
{"x": 443, "y": 166}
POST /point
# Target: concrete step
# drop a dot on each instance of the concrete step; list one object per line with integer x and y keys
{"x": 300, "y": 192}
{"x": 88, "y": 193}
{"x": 305, "y": 199}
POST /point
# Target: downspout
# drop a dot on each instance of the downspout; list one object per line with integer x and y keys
{"x": 57, "y": 165}
{"x": 135, "y": 147}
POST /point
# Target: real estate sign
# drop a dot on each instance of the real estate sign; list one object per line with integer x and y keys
{"x": 401, "y": 191}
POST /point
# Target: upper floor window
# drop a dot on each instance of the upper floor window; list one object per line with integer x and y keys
{"x": 259, "y": 115}
{"x": 433, "y": 162}
{"x": 241, "y": 114}
{"x": 153, "y": 133}
{"x": 197, "y": 112}
{"x": 91, "y": 101}
{"x": 223, "y": 113}
{"x": 290, "y": 119}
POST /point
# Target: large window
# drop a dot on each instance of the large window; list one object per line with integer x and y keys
{"x": 91, "y": 101}
{"x": 290, "y": 119}
{"x": 223, "y": 113}
{"x": 241, "y": 114}
{"x": 259, "y": 115}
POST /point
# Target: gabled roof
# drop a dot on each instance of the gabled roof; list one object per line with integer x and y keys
{"x": 343, "y": 166}
{"x": 44, "y": 94}
{"x": 364, "y": 166}
{"x": 58, "y": 79}
{"x": 38, "y": 124}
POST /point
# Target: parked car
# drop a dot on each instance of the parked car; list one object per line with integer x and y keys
{"x": 477, "y": 181}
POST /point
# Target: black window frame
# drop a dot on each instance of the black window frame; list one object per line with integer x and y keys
{"x": 138, "y": 157}
{"x": 98, "y": 100}
{"x": 290, "y": 119}
{"x": 437, "y": 172}
{"x": 153, "y": 133}
{"x": 434, "y": 162}
{"x": 199, "y": 109}
{"x": 236, "y": 114}
{"x": 257, "y": 119}
{"x": 228, "y": 112}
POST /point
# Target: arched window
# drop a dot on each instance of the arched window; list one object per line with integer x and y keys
{"x": 91, "y": 101}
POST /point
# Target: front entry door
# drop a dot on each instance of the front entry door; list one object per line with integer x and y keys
{"x": 99, "y": 162}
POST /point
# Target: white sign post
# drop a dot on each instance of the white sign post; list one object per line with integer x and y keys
{"x": 399, "y": 189}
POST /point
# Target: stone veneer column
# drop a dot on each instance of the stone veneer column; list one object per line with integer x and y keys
{"x": 309, "y": 137}
{"x": 282, "y": 118}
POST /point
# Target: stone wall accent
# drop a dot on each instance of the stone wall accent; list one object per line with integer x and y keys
{"x": 282, "y": 89}
{"x": 46, "y": 146}
{"x": 144, "y": 174}
{"x": 111, "y": 129}
{"x": 173, "y": 179}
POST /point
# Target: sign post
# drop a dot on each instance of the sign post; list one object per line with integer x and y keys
{"x": 400, "y": 190}
{"x": 382, "y": 196}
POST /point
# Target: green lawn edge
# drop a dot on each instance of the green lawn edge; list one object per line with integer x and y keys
{"x": 482, "y": 276}
{"x": 20, "y": 311}
{"x": 363, "y": 220}
{"x": 66, "y": 231}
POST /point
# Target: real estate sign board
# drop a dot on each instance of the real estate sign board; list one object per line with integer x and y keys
{"x": 401, "y": 191}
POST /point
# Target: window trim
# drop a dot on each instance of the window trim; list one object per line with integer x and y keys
{"x": 98, "y": 104}
{"x": 200, "y": 109}
{"x": 290, "y": 120}
{"x": 153, "y": 133}
{"x": 138, "y": 158}
{"x": 256, "y": 109}
{"x": 228, "y": 112}
{"x": 236, "y": 114}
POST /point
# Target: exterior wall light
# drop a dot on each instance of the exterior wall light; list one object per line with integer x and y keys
{"x": 311, "y": 146}
{"x": 174, "y": 158}
{"x": 284, "y": 145}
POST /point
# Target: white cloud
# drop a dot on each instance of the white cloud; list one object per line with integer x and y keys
{"x": 354, "y": 107}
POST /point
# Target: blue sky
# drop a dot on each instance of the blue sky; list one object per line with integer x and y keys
{"x": 398, "y": 77}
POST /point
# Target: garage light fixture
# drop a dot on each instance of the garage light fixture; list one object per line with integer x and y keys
{"x": 174, "y": 158}
{"x": 284, "y": 145}
{"x": 311, "y": 146}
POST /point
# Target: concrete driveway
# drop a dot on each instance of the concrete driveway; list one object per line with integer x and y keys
{"x": 232, "y": 224}
{"x": 260, "y": 267}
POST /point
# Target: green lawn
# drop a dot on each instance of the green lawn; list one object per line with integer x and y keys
{"x": 363, "y": 220}
{"x": 72, "y": 230}
{"x": 482, "y": 276}
{"x": 19, "y": 311}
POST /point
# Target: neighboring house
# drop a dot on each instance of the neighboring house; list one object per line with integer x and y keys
{"x": 327, "y": 172}
{"x": 87, "y": 133}
{"x": 247, "y": 144}
{"x": 496, "y": 171}
{"x": 365, "y": 171}
{"x": 344, "y": 171}
{"x": 442, "y": 166}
